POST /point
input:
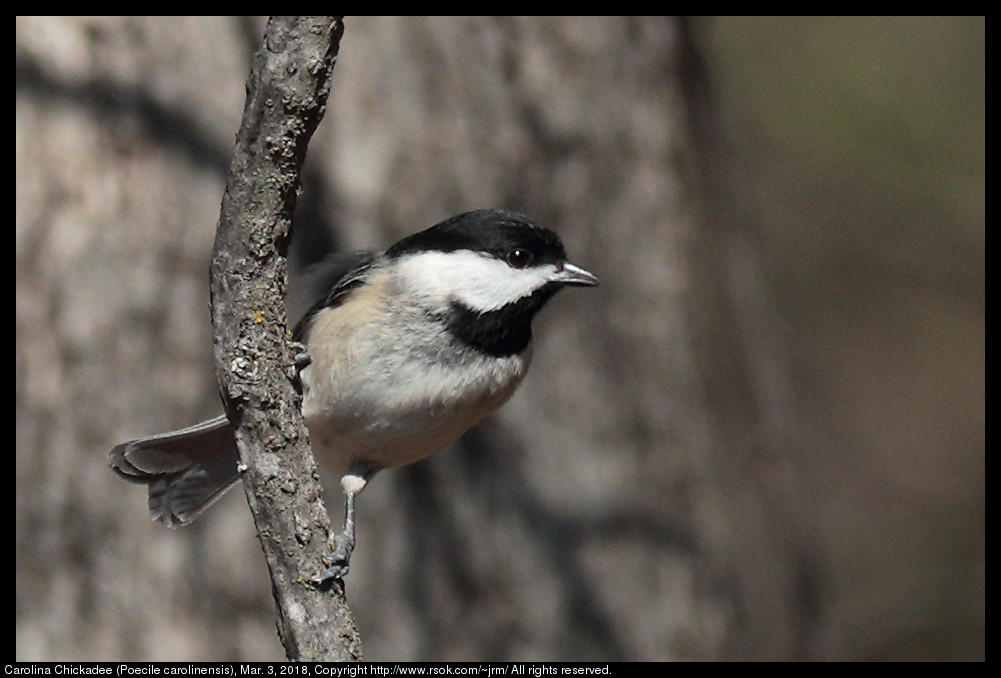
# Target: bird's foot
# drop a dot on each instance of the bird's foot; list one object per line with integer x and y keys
{"x": 338, "y": 561}
{"x": 300, "y": 361}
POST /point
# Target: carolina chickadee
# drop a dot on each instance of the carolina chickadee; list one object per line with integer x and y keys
{"x": 407, "y": 350}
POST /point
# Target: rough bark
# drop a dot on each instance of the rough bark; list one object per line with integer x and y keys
{"x": 286, "y": 96}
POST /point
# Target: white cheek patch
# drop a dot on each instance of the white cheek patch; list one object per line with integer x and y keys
{"x": 481, "y": 282}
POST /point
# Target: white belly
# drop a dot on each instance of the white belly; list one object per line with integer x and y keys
{"x": 375, "y": 397}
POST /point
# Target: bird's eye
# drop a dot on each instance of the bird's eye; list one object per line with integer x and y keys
{"x": 519, "y": 258}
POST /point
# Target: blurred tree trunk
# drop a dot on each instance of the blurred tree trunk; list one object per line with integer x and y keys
{"x": 642, "y": 497}
{"x": 570, "y": 525}
{"x": 583, "y": 522}
{"x": 125, "y": 129}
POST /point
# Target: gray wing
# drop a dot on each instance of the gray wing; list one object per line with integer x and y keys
{"x": 325, "y": 284}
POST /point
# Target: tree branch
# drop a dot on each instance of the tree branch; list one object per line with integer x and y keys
{"x": 286, "y": 97}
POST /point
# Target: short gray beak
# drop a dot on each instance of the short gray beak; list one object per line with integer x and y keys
{"x": 575, "y": 275}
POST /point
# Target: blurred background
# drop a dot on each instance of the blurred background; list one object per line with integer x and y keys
{"x": 761, "y": 438}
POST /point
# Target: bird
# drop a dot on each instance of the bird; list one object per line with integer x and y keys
{"x": 404, "y": 351}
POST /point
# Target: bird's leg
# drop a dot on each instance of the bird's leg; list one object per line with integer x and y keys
{"x": 343, "y": 544}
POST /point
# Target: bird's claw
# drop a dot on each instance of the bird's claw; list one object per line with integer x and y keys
{"x": 300, "y": 361}
{"x": 300, "y": 356}
{"x": 339, "y": 560}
